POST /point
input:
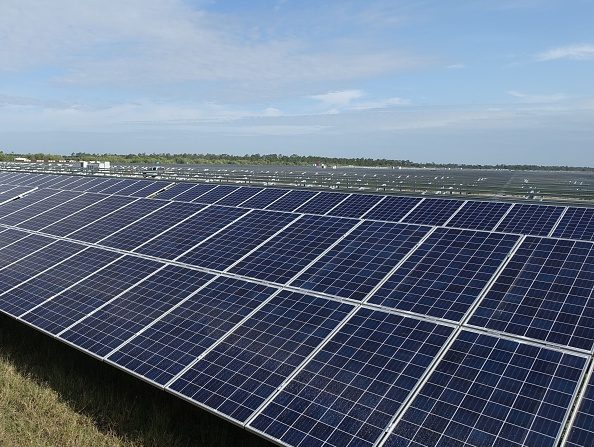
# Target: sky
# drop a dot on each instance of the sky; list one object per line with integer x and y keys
{"x": 461, "y": 81}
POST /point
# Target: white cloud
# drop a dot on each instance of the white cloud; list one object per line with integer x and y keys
{"x": 380, "y": 104}
{"x": 456, "y": 66}
{"x": 338, "y": 98}
{"x": 526, "y": 98}
{"x": 577, "y": 52}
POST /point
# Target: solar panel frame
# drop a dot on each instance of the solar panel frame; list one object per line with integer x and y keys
{"x": 580, "y": 429}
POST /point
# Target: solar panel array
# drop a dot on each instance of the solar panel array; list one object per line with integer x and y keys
{"x": 317, "y": 318}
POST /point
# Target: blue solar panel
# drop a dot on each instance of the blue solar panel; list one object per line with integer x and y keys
{"x": 290, "y": 201}
{"x": 73, "y": 304}
{"x": 150, "y": 189}
{"x": 22, "y": 212}
{"x": 582, "y": 429}
{"x": 287, "y": 253}
{"x": 220, "y": 251}
{"x": 216, "y": 194}
{"x": 545, "y": 292}
{"x": 93, "y": 182}
{"x": 392, "y": 209}
{"x": 491, "y": 392}
{"x": 247, "y": 367}
{"x": 122, "y": 318}
{"x": 265, "y": 198}
{"x": 577, "y": 223}
{"x": 49, "y": 217}
{"x": 186, "y": 235}
{"x": 176, "y": 189}
{"x": 9, "y": 236}
{"x": 38, "y": 289}
{"x": 22, "y": 247}
{"x": 13, "y": 192}
{"x": 238, "y": 196}
{"x": 433, "y": 211}
{"x": 105, "y": 226}
{"x": 349, "y": 392}
{"x": 479, "y": 215}
{"x": 322, "y": 203}
{"x": 165, "y": 348}
{"x": 355, "y": 266}
{"x": 78, "y": 181}
{"x": 446, "y": 273}
{"x": 536, "y": 220}
{"x": 86, "y": 216}
{"x": 114, "y": 188}
{"x": 152, "y": 225}
{"x": 132, "y": 188}
{"x": 106, "y": 183}
{"x": 194, "y": 193}
{"x": 354, "y": 206}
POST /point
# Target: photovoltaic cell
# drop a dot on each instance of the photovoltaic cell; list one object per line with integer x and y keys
{"x": 582, "y": 430}
{"x": 122, "y": 318}
{"x": 392, "y": 209}
{"x": 30, "y": 199}
{"x": 290, "y": 251}
{"x": 238, "y": 196}
{"x": 489, "y": 391}
{"x": 176, "y": 189}
{"x": 433, "y": 211}
{"x": 168, "y": 346}
{"x": 150, "y": 189}
{"x": 215, "y": 194}
{"x": 354, "y": 206}
{"x": 23, "y": 213}
{"x": 265, "y": 198}
{"x": 83, "y": 217}
{"x": 105, "y": 226}
{"x": 195, "y": 192}
{"x": 349, "y": 392}
{"x": 22, "y": 247}
{"x": 42, "y": 287}
{"x": 545, "y": 292}
{"x": 446, "y": 273}
{"x": 107, "y": 182}
{"x": 577, "y": 223}
{"x": 247, "y": 367}
{"x": 133, "y": 188}
{"x": 537, "y": 220}
{"x": 89, "y": 184}
{"x": 112, "y": 189}
{"x": 322, "y": 203}
{"x": 152, "y": 225}
{"x": 186, "y": 235}
{"x": 73, "y": 304}
{"x": 479, "y": 215}
{"x": 8, "y": 236}
{"x": 290, "y": 201}
{"x": 220, "y": 251}
{"x": 355, "y": 266}
{"x": 13, "y": 192}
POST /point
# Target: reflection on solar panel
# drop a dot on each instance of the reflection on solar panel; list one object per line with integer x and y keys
{"x": 354, "y": 266}
{"x": 392, "y": 209}
{"x": 537, "y": 220}
{"x": 479, "y": 215}
{"x": 287, "y": 253}
{"x": 290, "y": 201}
{"x": 248, "y": 365}
{"x": 265, "y": 198}
{"x": 545, "y": 292}
{"x": 166, "y": 347}
{"x": 238, "y": 196}
{"x": 490, "y": 391}
{"x": 354, "y": 206}
{"x": 348, "y": 393}
{"x": 433, "y": 211}
{"x": 322, "y": 203}
{"x": 582, "y": 430}
{"x": 446, "y": 274}
{"x": 220, "y": 251}
{"x": 577, "y": 223}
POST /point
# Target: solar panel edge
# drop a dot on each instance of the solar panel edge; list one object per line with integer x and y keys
{"x": 554, "y": 227}
{"x": 576, "y": 407}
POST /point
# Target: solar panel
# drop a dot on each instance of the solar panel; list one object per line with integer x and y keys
{"x": 37, "y": 289}
{"x": 321, "y": 203}
{"x": 151, "y": 225}
{"x": 194, "y": 193}
{"x": 445, "y": 275}
{"x": 93, "y": 182}
{"x": 582, "y": 429}
{"x": 176, "y": 189}
{"x": 545, "y": 292}
{"x": 66, "y": 308}
{"x": 265, "y": 198}
{"x": 392, "y": 209}
{"x": 290, "y": 201}
{"x": 244, "y": 369}
{"x": 577, "y": 223}
{"x": 536, "y": 220}
{"x": 222, "y": 250}
{"x": 287, "y": 253}
{"x": 238, "y": 196}
{"x": 13, "y": 192}
{"x": 8, "y": 236}
{"x": 170, "y": 344}
{"x": 186, "y": 235}
{"x": 33, "y": 210}
{"x": 490, "y": 391}
{"x": 150, "y": 189}
{"x": 354, "y": 206}
{"x": 21, "y": 247}
{"x": 106, "y": 183}
{"x": 112, "y": 189}
{"x": 216, "y": 194}
{"x": 353, "y": 267}
{"x": 22, "y": 204}
{"x": 133, "y": 188}
{"x": 106, "y": 225}
{"x": 85, "y": 216}
{"x": 120, "y": 319}
{"x": 479, "y": 215}
{"x": 348, "y": 393}
{"x": 433, "y": 211}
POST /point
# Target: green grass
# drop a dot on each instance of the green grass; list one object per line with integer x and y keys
{"x": 54, "y": 395}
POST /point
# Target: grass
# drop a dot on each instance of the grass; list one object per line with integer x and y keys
{"x": 53, "y": 395}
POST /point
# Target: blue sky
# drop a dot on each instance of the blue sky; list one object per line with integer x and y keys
{"x": 481, "y": 81}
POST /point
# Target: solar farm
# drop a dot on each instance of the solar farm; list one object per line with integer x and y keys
{"x": 317, "y": 318}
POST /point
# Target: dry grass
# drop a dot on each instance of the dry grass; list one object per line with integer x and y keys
{"x": 53, "y": 395}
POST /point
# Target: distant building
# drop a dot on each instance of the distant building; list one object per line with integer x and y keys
{"x": 22, "y": 159}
